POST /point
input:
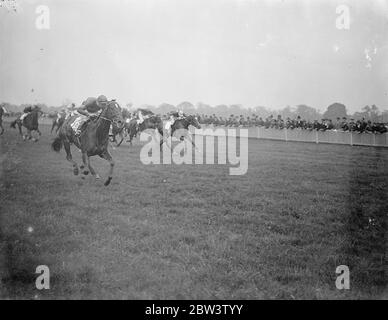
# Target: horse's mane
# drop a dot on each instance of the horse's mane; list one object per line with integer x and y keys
{"x": 146, "y": 111}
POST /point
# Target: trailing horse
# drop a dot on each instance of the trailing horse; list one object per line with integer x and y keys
{"x": 117, "y": 131}
{"x": 93, "y": 140}
{"x": 184, "y": 123}
{"x": 57, "y": 122}
{"x": 153, "y": 122}
{"x": 30, "y": 122}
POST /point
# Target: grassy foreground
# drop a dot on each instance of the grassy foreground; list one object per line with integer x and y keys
{"x": 194, "y": 231}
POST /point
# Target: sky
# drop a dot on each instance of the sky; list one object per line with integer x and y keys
{"x": 255, "y": 53}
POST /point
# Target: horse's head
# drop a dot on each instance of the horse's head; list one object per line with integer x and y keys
{"x": 193, "y": 120}
{"x": 112, "y": 112}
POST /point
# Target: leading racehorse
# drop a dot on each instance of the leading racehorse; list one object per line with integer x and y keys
{"x": 30, "y": 122}
{"x": 93, "y": 140}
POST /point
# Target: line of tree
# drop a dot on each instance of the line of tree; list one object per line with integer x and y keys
{"x": 334, "y": 111}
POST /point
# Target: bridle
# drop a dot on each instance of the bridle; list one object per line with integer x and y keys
{"x": 104, "y": 118}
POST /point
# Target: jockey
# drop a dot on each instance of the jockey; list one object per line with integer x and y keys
{"x": 26, "y": 111}
{"x": 91, "y": 107}
{"x": 70, "y": 110}
{"x": 143, "y": 114}
{"x": 174, "y": 115}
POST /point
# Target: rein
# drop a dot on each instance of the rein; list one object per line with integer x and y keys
{"x": 100, "y": 115}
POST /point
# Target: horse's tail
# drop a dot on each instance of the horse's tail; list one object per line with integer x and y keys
{"x": 13, "y": 124}
{"x": 57, "y": 144}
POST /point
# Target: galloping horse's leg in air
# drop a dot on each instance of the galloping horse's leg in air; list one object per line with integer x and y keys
{"x": 106, "y": 155}
{"x": 92, "y": 171}
{"x": 69, "y": 157}
{"x": 84, "y": 163}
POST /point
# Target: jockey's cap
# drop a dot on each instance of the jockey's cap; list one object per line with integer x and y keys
{"x": 102, "y": 100}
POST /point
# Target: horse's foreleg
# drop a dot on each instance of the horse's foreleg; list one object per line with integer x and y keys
{"x": 108, "y": 157}
{"x": 52, "y": 128}
{"x": 84, "y": 163}
{"x": 2, "y": 129}
{"x": 92, "y": 171}
{"x": 69, "y": 157}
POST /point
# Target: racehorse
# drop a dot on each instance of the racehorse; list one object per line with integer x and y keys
{"x": 57, "y": 122}
{"x": 153, "y": 122}
{"x": 184, "y": 124}
{"x": 117, "y": 131}
{"x": 93, "y": 140}
{"x": 30, "y": 122}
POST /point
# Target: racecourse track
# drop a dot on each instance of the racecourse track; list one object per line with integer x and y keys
{"x": 194, "y": 231}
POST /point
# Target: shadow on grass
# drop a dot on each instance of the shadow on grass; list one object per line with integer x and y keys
{"x": 365, "y": 250}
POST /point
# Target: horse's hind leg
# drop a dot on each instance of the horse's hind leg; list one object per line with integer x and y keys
{"x": 69, "y": 157}
{"x": 106, "y": 155}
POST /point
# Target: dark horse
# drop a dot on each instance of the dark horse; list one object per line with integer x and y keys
{"x": 30, "y": 122}
{"x": 153, "y": 122}
{"x": 117, "y": 131}
{"x": 184, "y": 124}
{"x": 58, "y": 122}
{"x": 93, "y": 140}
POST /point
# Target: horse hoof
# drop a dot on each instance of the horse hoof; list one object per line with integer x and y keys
{"x": 107, "y": 182}
{"x": 81, "y": 166}
{"x": 86, "y": 172}
{"x": 75, "y": 171}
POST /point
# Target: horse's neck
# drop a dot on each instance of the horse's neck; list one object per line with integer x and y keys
{"x": 102, "y": 129}
{"x": 185, "y": 123}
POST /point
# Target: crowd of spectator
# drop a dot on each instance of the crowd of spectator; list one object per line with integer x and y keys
{"x": 278, "y": 122}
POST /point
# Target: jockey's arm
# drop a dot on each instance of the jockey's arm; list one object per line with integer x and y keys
{"x": 82, "y": 110}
